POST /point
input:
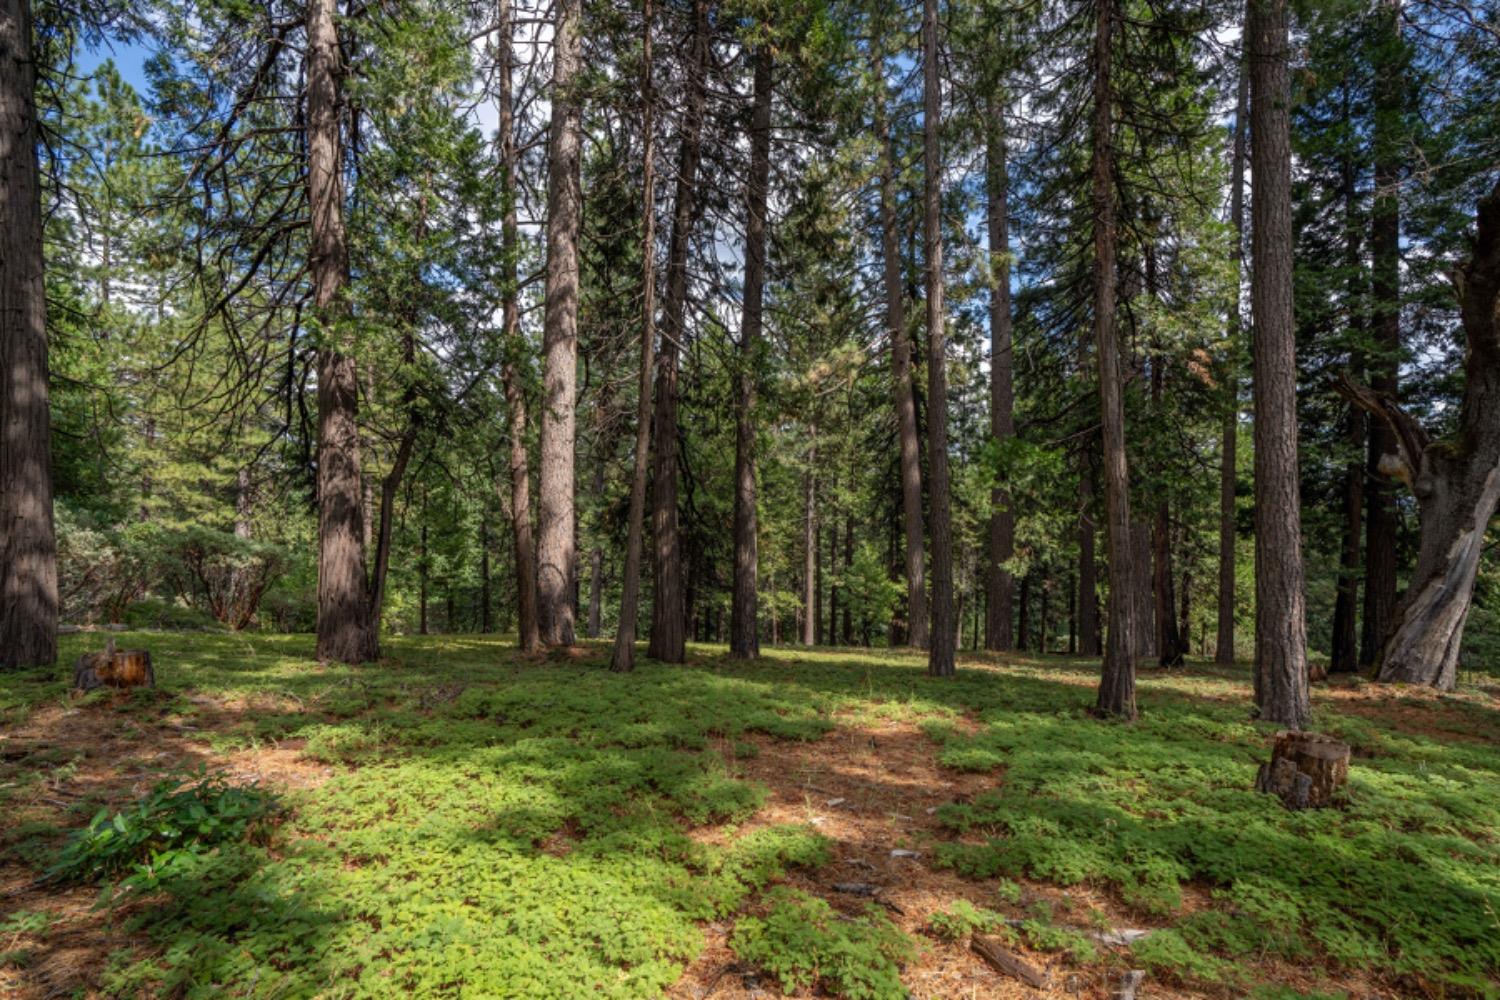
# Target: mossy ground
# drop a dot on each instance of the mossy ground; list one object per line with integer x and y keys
{"x": 460, "y": 820}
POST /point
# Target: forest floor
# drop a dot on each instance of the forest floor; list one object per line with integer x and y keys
{"x": 460, "y": 820}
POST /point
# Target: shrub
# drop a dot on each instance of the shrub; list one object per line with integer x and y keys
{"x": 802, "y": 942}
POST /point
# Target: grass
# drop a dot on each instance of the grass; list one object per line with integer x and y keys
{"x": 485, "y": 825}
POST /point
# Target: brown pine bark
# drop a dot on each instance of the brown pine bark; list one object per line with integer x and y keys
{"x": 668, "y": 611}
{"x": 1117, "y": 678}
{"x": 944, "y": 636}
{"x": 28, "y": 546}
{"x": 346, "y": 628}
{"x": 1228, "y": 476}
{"x": 999, "y": 587}
{"x": 1456, "y": 482}
{"x": 906, "y": 408}
{"x": 528, "y": 636}
{"x": 744, "y": 620}
{"x": 1280, "y": 624}
{"x": 1385, "y": 314}
{"x": 622, "y": 657}
{"x": 557, "y": 556}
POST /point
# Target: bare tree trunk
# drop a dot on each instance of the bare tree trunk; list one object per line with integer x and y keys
{"x": 668, "y": 613}
{"x": 944, "y": 637}
{"x": 1142, "y": 594}
{"x": 1170, "y": 646}
{"x": 1117, "y": 680}
{"x": 346, "y": 630}
{"x": 999, "y": 587}
{"x": 622, "y": 657}
{"x": 906, "y": 409}
{"x": 1228, "y": 476}
{"x": 528, "y": 635}
{"x": 557, "y": 556}
{"x": 1456, "y": 482}
{"x": 1385, "y": 309}
{"x": 1344, "y": 647}
{"x": 596, "y": 551}
{"x": 744, "y": 627}
{"x": 810, "y": 543}
{"x": 1280, "y": 622}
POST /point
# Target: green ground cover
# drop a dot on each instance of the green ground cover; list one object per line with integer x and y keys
{"x": 492, "y": 826}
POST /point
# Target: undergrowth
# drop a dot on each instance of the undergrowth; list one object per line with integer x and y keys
{"x": 494, "y": 825}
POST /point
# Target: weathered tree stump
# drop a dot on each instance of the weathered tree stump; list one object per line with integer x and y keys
{"x": 1306, "y": 770}
{"x": 114, "y": 668}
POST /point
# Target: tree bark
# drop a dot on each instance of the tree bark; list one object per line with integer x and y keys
{"x": 810, "y": 543}
{"x": 668, "y": 612}
{"x": 622, "y": 657}
{"x": 28, "y": 546}
{"x": 1344, "y": 646}
{"x": 1228, "y": 474}
{"x": 905, "y": 405}
{"x": 944, "y": 634}
{"x": 346, "y": 627}
{"x": 999, "y": 587}
{"x": 1456, "y": 482}
{"x": 1385, "y": 310}
{"x": 1089, "y": 643}
{"x": 744, "y": 620}
{"x": 1117, "y": 678}
{"x": 1280, "y": 625}
{"x": 1023, "y": 614}
{"x": 556, "y": 535}
{"x": 528, "y": 635}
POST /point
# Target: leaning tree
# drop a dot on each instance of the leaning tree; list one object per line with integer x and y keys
{"x": 1456, "y": 480}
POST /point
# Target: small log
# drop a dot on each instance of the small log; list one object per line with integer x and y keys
{"x": 1306, "y": 770}
{"x": 1008, "y": 962}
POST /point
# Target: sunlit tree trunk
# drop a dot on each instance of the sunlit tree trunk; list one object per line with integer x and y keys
{"x": 556, "y": 530}
{"x": 1280, "y": 621}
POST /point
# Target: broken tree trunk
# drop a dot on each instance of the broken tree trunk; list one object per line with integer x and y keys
{"x": 1456, "y": 481}
{"x": 1306, "y": 770}
{"x": 1008, "y": 962}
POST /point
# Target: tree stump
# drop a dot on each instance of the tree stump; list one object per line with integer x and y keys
{"x": 1306, "y": 770}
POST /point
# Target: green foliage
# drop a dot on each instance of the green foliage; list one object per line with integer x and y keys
{"x": 803, "y": 942}
{"x": 962, "y": 919}
{"x": 165, "y": 832}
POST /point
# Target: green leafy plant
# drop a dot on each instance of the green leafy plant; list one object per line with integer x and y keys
{"x": 803, "y": 942}
{"x": 155, "y": 834}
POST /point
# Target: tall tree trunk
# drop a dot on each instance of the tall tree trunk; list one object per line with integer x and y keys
{"x": 1228, "y": 476}
{"x": 486, "y": 601}
{"x": 1280, "y": 621}
{"x": 622, "y": 657}
{"x": 848, "y": 622}
{"x": 944, "y": 636}
{"x": 744, "y": 621}
{"x": 1344, "y": 647}
{"x": 668, "y": 612}
{"x": 596, "y": 551}
{"x": 1170, "y": 646}
{"x": 1142, "y": 593}
{"x": 1023, "y": 614}
{"x": 557, "y": 556}
{"x": 1117, "y": 679}
{"x": 999, "y": 587}
{"x": 392, "y": 481}
{"x": 1456, "y": 482}
{"x": 810, "y": 573}
{"x": 906, "y": 408}
{"x": 346, "y": 631}
{"x": 528, "y": 635}
{"x": 422, "y": 574}
{"x": 1385, "y": 310}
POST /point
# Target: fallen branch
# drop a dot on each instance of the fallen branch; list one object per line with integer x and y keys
{"x": 1008, "y": 962}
